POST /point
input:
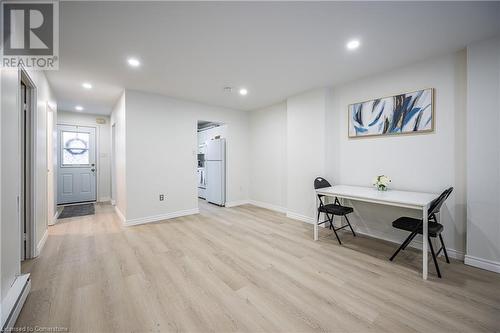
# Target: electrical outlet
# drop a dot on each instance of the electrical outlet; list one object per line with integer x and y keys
{"x": 162, "y": 197}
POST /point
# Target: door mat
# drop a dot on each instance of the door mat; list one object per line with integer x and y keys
{"x": 77, "y": 210}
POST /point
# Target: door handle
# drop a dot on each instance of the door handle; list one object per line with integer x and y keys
{"x": 93, "y": 170}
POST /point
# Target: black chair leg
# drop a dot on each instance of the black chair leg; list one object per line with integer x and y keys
{"x": 409, "y": 239}
{"x": 402, "y": 246}
{"x": 444, "y": 249}
{"x": 330, "y": 221}
{"x": 434, "y": 257}
{"x": 333, "y": 228}
{"x": 337, "y": 236}
{"x": 353, "y": 233}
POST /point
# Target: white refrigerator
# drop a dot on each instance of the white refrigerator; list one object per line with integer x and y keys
{"x": 215, "y": 171}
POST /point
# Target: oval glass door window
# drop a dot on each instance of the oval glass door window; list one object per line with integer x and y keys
{"x": 75, "y": 148}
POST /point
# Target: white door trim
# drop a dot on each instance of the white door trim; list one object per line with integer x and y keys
{"x": 31, "y": 229}
{"x": 113, "y": 163}
{"x": 51, "y": 149}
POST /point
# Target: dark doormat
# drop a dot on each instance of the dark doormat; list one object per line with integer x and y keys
{"x": 77, "y": 210}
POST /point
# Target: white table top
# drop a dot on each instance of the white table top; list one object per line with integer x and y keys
{"x": 371, "y": 194}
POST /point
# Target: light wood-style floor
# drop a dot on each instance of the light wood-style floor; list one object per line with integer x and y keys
{"x": 244, "y": 269}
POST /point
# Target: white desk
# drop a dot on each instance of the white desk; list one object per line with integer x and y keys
{"x": 414, "y": 200}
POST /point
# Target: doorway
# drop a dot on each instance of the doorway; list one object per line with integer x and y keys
{"x": 211, "y": 162}
{"x": 76, "y": 164}
{"x": 51, "y": 205}
{"x": 113, "y": 164}
{"x": 26, "y": 198}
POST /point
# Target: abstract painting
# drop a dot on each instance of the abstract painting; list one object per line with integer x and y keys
{"x": 407, "y": 113}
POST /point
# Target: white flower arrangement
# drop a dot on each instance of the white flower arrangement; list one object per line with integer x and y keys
{"x": 381, "y": 182}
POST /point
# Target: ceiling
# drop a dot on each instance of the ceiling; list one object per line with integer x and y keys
{"x": 192, "y": 50}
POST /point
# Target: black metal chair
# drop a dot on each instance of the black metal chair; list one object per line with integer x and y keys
{"x": 330, "y": 210}
{"x": 434, "y": 228}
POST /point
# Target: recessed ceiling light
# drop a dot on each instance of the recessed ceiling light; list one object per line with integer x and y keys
{"x": 243, "y": 91}
{"x": 133, "y": 62}
{"x": 86, "y": 85}
{"x": 353, "y": 44}
{"x": 79, "y": 108}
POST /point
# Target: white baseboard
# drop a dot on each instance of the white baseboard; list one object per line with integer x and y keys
{"x": 236, "y": 203}
{"x": 41, "y": 243}
{"x": 113, "y": 202}
{"x": 161, "y": 217}
{"x": 300, "y": 217}
{"x": 486, "y": 264}
{"x": 267, "y": 206}
{"x": 13, "y": 302}
{"x": 120, "y": 214}
{"x": 104, "y": 199}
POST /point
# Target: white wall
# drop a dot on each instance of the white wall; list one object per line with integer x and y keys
{"x": 425, "y": 162}
{"x": 119, "y": 173}
{"x": 11, "y": 247}
{"x": 267, "y": 158}
{"x": 1, "y": 219}
{"x": 103, "y": 151}
{"x": 483, "y": 155}
{"x": 161, "y": 152}
{"x": 306, "y": 153}
{"x": 11, "y": 173}
{"x": 44, "y": 97}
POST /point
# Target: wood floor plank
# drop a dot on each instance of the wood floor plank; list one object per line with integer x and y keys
{"x": 244, "y": 269}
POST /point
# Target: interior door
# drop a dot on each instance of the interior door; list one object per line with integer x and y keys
{"x": 76, "y": 164}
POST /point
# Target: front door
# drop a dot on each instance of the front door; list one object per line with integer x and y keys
{"x": 76, "y": 179}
